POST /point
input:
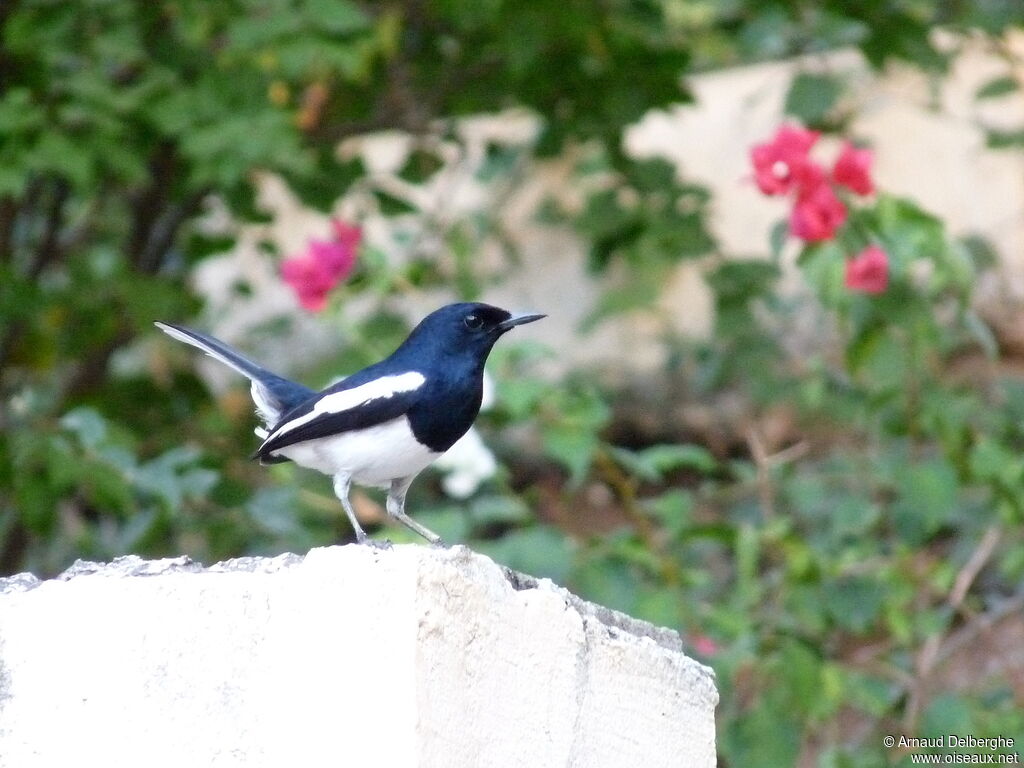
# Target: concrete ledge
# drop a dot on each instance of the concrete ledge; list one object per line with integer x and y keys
{"x": 347, "y": 656}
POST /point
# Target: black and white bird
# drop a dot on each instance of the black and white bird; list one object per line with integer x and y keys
{"x": 385, "y": 424}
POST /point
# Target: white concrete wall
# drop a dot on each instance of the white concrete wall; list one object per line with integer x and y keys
{"x": 347, "y": 656}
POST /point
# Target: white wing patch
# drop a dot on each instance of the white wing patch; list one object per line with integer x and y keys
{"x": 346, "y": 400}
{"x": 265, "y": 408}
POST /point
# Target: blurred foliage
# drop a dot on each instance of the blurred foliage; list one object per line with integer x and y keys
{"x": 825, "y": 582}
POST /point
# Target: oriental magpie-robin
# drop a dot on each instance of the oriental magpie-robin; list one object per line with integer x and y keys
{"x": 386, "y": 423}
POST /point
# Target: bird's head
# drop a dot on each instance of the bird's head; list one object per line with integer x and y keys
{"x": 468, "y": 329}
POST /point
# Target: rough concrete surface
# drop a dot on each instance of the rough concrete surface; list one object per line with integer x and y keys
{"x": 347, "y": 656}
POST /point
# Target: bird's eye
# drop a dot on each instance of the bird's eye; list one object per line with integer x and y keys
{"x": 473, "y": 322}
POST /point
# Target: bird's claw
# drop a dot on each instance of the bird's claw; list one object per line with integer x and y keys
{"x": 366, "y": 541}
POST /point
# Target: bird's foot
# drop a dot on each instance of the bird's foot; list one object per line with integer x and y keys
{"x": 363, "y": 539}
{"x": 438, "y": 543}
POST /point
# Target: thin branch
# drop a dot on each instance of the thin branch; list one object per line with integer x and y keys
{"x": 155, "y": 245}
{"x": 978, "y": 625}
{"x": 84, "y": 228}
{"x": 24, "y": 227}
{"x": 7, "y": 7}
{"x": 625, "y": 490}
{"x": 965, "y": 578}
{"x": 8, "y": 213}
{"x": 766, "y": 463}
{"x": 149, "y": 202}
{"x": 49, "y": 249}
{"x": 165, "y": 230}
{"x": 765, "y": 487}
{"x": 45, "y": 253}
{"x": 93, "y": 369}
{"x": 930, "y": 653}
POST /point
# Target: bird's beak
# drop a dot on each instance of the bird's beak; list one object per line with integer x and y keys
{"x": 512, "y": 322}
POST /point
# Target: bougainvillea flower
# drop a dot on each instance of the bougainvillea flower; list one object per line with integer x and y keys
{"x": 704, "y": 645}
{"x": 817, "y": 214}
{"x": 313, "y": 274}
{"x": 868, "y": 271}
{"x": 853, "y": 169}
{"x": 346, "y": 234}
{"x": 780, "y": 163}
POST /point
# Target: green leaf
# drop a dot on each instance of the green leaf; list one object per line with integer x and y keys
{"x": 873, "y": 695}
{"x": 110, "y": 489}
{"x": 777, "y": 238}
{"x": 999, "y": 86}
{"x": 172, "y": 477}
{"x": 992, "y": 462}
{"x": 665, "y": 458}
{"x": 18, "y": 114}
{"x": 654, "y": 462}
{"x": 500, "y": 510}
{"x": 998, "y": 139}
{"x": 764, "y": 736}
{"x": 58, "y": 154}
{"x": 982, "y": 254}
{"x": 981, "y": 333}
{"x": 36, "y": 503}
{"x": 637, "y": 292}
{"x": 571, "y": 446}
{"x": 811, "y": 97}
{"x": 852, "y": 515}
{"x": 575, "y": 416}
{"x": 864, "y": 345}
{"x": 673, "y": 509}
{"x": 608, "y": 581}
{"x": 338, "y": 17}
{"x": 824, "y": 266}
{"x": 87, "y": 425}
{"x": 854, "y": 603}
{"x": 275, "y": 510}
{"x": 540, "y": 551}
{"x": 947, "y": 713}
{"x": 928, "y": 494}
{"x": 253, "y": 31}
{"x": 521, "y": 396}
{"x": 652, "y": 175}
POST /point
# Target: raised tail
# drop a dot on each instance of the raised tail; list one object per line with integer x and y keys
{"x": 273, "y": 395}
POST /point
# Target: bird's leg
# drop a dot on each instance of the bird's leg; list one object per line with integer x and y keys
{"x": 342, "y": 483}
{"x": 396, "y": 508}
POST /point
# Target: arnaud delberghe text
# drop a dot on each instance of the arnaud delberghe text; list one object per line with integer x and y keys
{"x": 953, "y": 741}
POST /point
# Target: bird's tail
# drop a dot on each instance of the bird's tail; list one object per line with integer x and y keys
{"x": 272, "y": 394}
{"x": 216, "y": 349}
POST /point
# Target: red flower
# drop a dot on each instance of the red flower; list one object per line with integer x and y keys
{"x": 315, "y": 273}
{"x": 853, "y": 169}
{"x": 868, "y": 271}
{"x": 704, "y": 645}
{"x": 780, "y": 163}
{"x": 817, "y": 214}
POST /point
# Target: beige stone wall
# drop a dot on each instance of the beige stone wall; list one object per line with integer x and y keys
{"x": 929, "y": 144}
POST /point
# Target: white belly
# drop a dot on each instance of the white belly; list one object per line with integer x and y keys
{"x": 373, "y": 456}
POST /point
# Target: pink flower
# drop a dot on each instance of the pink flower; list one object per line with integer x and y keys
{"x": 868, "y": 271}
{"x": 817, "y": 214}
{"x": 780, "y": 163}
{"x": 853, "y": 169}
{"x": 704, "y": 645}
{"x": 325, "y": 263}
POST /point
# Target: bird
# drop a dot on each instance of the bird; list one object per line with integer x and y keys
{"x": 383, "y": 425}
